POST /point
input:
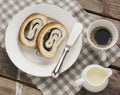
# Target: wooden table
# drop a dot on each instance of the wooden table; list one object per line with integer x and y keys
{"x": 107, "y": 9}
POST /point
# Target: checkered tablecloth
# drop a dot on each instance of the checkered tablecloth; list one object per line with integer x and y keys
{"x": 63, "y": 85}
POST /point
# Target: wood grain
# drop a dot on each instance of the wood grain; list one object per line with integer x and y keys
{"x": 6, "y": 66}
{"x": 107, "y": 8}
{"x": 8, "y": 87}
{"x": 113, "y": 87}
{"x": 9, "y": 70}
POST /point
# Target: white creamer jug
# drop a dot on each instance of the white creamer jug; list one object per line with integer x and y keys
{"x": 94, "y": 78}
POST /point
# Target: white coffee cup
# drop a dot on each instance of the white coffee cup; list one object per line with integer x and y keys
{"x": 111, "y": 27}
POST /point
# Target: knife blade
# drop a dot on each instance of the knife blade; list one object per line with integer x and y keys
{"x": 76, "y": 31}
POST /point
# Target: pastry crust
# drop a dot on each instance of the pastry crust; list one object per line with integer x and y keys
{"x": 56, "y": 27}
{"x": 31, "y": 17}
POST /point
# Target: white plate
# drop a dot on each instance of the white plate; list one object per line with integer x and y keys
{"x": 26, "y": 59}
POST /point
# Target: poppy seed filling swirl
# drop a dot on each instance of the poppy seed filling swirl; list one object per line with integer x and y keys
{"x": 51, "y": 38}
{"x": 31, "y": 28}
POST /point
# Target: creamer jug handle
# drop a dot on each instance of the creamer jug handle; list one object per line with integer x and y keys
{"x": 79, "y": 82}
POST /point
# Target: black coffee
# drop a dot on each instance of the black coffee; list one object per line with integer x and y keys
{"x": 101, "y": 36}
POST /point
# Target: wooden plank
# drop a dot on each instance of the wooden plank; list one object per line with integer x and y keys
{"x": 6, "y": 66}
{"x": 109, "y": 8}
{"x": 116, "y": 64}
{"x": 9, "y": 87}
{"x": 9, "y": 70}
{"x": 113, "y": 87}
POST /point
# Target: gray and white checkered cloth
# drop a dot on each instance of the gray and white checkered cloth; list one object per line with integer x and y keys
{"x": 62, "y": 85}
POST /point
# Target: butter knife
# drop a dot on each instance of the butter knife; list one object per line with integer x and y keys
{"x": 76, "y": 31}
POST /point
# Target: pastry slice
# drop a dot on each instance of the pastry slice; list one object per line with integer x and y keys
{"x": 30, "y": 28}
{"x": 50, "y": 37}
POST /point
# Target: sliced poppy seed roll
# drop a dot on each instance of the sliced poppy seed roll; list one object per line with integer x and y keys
{"x": 30, "y": 28}
{"x": 50, "y": 37}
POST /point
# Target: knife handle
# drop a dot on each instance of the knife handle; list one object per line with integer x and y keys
{"x": 56, "y": 70}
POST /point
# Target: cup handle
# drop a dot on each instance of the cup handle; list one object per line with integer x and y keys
{"x": 79, "y": 82}
{"x": 102, "y": 55}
